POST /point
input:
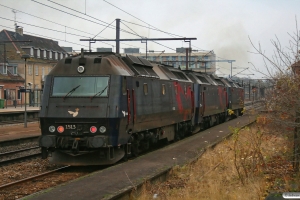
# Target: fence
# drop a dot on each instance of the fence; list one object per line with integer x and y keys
{"x": 33, "y": 99}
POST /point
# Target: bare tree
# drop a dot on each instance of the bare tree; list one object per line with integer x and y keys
{"x": 283, "y": 98}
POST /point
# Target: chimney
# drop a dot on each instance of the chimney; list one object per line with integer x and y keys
{"x": 19, "y": 30}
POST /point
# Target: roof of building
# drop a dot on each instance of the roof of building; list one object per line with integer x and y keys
{"x": 36, "y": 42}
{"x": 15, "y": 46}
{"x": 10, "y": 76}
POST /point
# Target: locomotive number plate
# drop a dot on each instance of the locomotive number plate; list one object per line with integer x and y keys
{"x": 68, "y": 126}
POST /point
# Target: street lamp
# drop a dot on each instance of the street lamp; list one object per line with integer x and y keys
{"x": 25, "y": 57}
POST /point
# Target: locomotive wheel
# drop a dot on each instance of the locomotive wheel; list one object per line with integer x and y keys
{"x": 135, "y": 149}
{"x": 44, "y": 153}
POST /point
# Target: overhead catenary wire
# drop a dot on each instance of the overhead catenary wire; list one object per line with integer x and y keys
{"x": 146, "y": 38}
{"x": 134, "y": 33}
{"x": 154, "y": 28}
{"x": 59, "y": 25}
{"x": 103, "y": 29}
{"x": 107, "y": 24}
{"x": 112, "y": 27}
{"x": 91, "y": 17}
{"x": 139, "y": 19}
{"x": 48, "y": 37}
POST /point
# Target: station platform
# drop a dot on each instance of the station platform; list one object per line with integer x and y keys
{"x": 11, "y": 109}
{"x": 17, "y": 131}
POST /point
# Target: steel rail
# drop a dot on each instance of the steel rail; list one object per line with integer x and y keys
{"x": 32, "y": 177}
{"x": 18, "y": 151}
{"x": 19, "y": 159}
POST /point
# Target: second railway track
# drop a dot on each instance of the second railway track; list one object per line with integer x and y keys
{"x": 19, "y": 155}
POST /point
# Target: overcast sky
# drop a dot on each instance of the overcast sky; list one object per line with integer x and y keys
{"x": 223, "y": 26}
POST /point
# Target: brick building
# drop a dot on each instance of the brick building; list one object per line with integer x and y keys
{"x": 44, "y": 54}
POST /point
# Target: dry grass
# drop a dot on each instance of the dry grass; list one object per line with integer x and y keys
{"x": 249, "y": 165}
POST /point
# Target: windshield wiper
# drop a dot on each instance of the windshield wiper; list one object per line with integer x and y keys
{"x": 71, "y": 91}
{"x": 99, "y": 93}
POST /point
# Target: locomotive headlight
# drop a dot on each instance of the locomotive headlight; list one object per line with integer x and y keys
{"x": 52, "y": 129}
{"x": 102, "y": 129}
{"x": 60, "y": 129}
{"x": 93, "y": 129}
{"x": 80, "y": 69}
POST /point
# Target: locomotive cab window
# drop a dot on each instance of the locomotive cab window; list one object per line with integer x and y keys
{"x": 80, "y": 86}
{"x": 145, "y": 88}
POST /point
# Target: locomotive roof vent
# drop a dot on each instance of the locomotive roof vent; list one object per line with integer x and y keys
{"x": 140, "y": 66}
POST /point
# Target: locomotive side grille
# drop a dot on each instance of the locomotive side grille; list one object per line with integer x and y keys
{"x": 68, "y": 60}
{"x": 202, "y": 79}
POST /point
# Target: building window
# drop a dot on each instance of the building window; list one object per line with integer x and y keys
{"x": 56, "y": 55}
{"x": 43, "y": 72}
{"x": 19, "y": 94}
{"x": 44, "y": 53}
{"x": 29, "y": 69}
{"x": 36, "y": 70}
{"x": 31, "y": 51}
{"x": 50, "y": 54}
{"x": 15, "y": 70}
{"x": 4, "y": 69}
{"x": 38, "y": 52}
{"x": 145, "y": 88}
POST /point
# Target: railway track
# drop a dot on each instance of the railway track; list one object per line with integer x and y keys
{"x": 16, "y": 158}
{"x": 19, "y": 141}
{"x": 15, "y": 122}
{"x": 32, "y": 178}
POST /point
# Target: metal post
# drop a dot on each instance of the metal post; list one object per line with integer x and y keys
{"x": 231, "y": 70}
{"x": 25, "y": 113}
{"x": 186, "y": 59}
{"x": 21, "y": 96}
{"x": 117, "y": 36}
{"x": 190, "y": 50}
{"x": 146, "y": 49}
{"x": 249, "y": 91}
{"x": 25, "y": 57}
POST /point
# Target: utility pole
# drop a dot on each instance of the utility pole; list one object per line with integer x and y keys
{"x": 118, "y": 36}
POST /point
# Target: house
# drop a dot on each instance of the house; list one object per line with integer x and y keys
{"x": 44, "y": 54}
